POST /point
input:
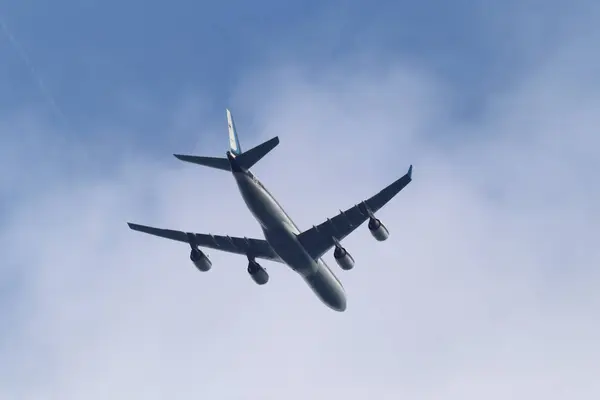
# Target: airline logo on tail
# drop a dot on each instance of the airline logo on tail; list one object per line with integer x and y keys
{"x": 234, "y": 143}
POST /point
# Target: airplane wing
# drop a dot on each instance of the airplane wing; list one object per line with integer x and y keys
{"x": 256, "y": 248}
{"x": 319, "y": 239}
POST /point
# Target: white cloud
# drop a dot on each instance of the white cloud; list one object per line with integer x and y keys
{"x": 486, "y": 288}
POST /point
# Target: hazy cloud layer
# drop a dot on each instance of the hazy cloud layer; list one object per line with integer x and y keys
{"x": 486, "y": 288}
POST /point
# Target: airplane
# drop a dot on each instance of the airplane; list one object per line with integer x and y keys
{"x": 283, "y": 242}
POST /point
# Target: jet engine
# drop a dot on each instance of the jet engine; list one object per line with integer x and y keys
{"x": 200, "y": 260}
{"x": 343, "y": 258}
{"x": 257, "y": 273}
{"x": 378, "y": 230}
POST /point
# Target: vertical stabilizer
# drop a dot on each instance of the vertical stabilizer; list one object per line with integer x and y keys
{"x": 234, "y": 143}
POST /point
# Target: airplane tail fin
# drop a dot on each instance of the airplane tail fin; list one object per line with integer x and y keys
{"x": 245, "y": 160}
{"x": 234, "y": 142}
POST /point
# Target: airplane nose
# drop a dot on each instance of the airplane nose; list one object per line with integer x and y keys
{"x": 328, "y": 289}
{"x": 341, "y": 305}
{"x": 338, "y": 302}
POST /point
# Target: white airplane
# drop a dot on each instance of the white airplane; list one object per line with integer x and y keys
{"x": 285, "y": 243}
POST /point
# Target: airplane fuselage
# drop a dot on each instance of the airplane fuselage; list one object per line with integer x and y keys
{"x": 281, "y": 233}
{"x": 284, "y": 242}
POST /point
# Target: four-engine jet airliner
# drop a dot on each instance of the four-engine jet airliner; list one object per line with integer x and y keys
{"x": 302, "y": 251}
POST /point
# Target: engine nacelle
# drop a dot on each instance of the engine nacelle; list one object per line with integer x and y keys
{"x": 343, "y": 258}
{"x": 200, "y": 260}
{"x": 378, "y": 230}
{"x": 258, "y": 273}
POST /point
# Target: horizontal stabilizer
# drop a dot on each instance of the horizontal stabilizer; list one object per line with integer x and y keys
{"x": 213, "y": 162}
{"x": 247, "y": 159}
{"x": 244, "y": 160}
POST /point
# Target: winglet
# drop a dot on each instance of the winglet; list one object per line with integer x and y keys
{"x": 409, "y": 173}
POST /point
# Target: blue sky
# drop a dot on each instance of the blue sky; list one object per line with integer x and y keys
{"x": 487, "y": 287}
{"x": 90, "y": 54}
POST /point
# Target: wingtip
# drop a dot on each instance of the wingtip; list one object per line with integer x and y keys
{"x": 409, "y": 173}
{"x": 183, "y": 157}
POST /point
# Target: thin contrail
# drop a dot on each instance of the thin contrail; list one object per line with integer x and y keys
{"x": 21, "y": 52}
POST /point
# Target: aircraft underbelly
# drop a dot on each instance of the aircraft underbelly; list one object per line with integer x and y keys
{"x": 262, "y": 207}
{"x": 287, "y": 247}
{"x": 326, "y": 286}
{"x": 276, "y": 227}
{"x": 315, "y": 273}
{"x": 279, "y": 231}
